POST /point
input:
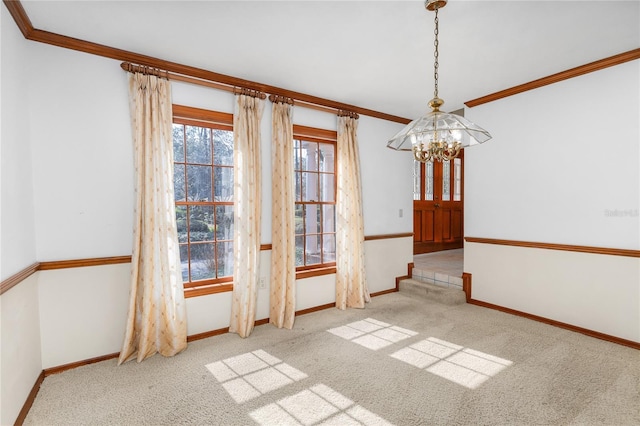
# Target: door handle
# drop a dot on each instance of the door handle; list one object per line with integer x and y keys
{"x": 436, "y": 205}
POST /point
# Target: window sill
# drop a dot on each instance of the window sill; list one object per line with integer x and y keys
{"x": 204, "y": 290}
{"x": 207, "y": 289}
{"x": 315, "y": 272}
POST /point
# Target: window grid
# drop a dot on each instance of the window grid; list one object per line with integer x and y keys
{"x": 203, "y": 165}
{"x": 315, "y": 185}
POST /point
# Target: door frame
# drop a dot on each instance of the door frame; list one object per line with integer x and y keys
{"x": 438, "y": 225}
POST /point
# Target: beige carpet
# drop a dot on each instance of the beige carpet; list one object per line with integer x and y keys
{"x": 403, "y": 360}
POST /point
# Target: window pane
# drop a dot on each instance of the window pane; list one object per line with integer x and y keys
{"x": 312, "y": 218}
{"x": 224, "y": 222}
{"x": 225, "y": 259}
{"x": 312, "y": 250}
{"x": 328, "y": 218}
{"x": 184, "y": 261}
{"x": 428, "y": 181}
{"x": 300, "y": 251}
{"x": 457, "y": 179}
{"x": 198, "y": 145}
{"x": 179, "y": 182}
{"x": 204, "y": 188}
{"x": 329, "y": 248}
{"x": 181, "y": 222}
{"x": 310, "y": 187}
{"x": 298, "y": 178}
{"x": 327, "y": 187}
{"x": 199, "y": 183}
{"x": 178, "y": 143}
{"x": 203, "y": 263}
{"x": 327, "y": 157}
{"x": 222, "y": 147}
{"x": 223, "y": 182}
{"x": 309, "y": 156}
{"x": 299, "y": 219}
{"x": 297, "y": 161}
{"x": 446, "y": 176}
{"x": 200, "y": 223}
{"x": 315, "y": 179}
{"x": 416, "y": 180}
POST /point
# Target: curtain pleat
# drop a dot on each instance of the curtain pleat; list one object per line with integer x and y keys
{"x": 351, "y": 284}
{"x": 157, "y": 316}
{"x": 282, "y": 300}
{"x": 247, "y": 194}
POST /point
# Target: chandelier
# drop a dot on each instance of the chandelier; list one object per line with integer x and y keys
{"x": 437, "y": 136}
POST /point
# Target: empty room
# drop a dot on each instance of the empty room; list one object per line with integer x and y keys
{"x": 320, "y": 212}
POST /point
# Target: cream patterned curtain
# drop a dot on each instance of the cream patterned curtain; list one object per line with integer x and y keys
{"x": 157, "y": 319}
{"x": 351, "y": 284}
{"x": 282, "y": 299}
{"x": 247, "y": 194}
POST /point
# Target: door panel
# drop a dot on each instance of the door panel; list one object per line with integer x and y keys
{"x": 417, "y": 226}
{"x": 456, "y": 224}
{"x": 428, "y": 225}
{"x": 446, "y": 224}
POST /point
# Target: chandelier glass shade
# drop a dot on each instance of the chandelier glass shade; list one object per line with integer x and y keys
{"x": 437, "y": 135}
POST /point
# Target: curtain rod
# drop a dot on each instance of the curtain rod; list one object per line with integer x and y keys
{"x": 129, "y": 67}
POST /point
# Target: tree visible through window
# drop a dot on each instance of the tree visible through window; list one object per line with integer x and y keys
{"x": 203, "y": 181}
{"x": 315, "y": 179}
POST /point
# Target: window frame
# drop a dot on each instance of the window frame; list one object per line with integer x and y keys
{"x": 189, "y": 116}
{"x": 316, "y": 135}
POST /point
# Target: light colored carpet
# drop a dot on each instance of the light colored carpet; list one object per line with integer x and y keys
{"x": 403, "y": 360}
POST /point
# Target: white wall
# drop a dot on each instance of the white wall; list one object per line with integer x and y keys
{"x": 596, "y": 292}
{"x": 19, "y": 310}
{"x": 20, "y": 352}
{"x": 17, "y": 236}
{"x": 560, "y": 158}
{"x": 83, "y": 312}
{"x": 387, "y": 177}
{"x": 82, "y": 155}
{"x": 563, "y": 167}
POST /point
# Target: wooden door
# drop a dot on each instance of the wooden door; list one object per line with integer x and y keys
{"x": 438, "y": 205}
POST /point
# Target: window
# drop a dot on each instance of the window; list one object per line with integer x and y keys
{"x": 315, "y": 199}
{"x": 203, "y": 182}
{"x": 446, "y": 175}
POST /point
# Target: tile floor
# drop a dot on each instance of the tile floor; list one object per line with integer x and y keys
{"x": 441, "y": 268}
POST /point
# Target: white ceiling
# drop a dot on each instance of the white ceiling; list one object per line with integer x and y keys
{"x": 373, "y": 54}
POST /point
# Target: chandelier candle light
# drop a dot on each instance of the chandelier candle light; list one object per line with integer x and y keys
{"x": 437, "y": 136}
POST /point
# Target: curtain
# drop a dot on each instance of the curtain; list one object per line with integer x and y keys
{"x": 282, "y": 299}
{"x": 247, "y": 194}
{"x": 351, "y": 284}
{"x": 157, "y": 317}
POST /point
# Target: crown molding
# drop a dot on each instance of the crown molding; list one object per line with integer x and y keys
{"x": 22, "y": 20}
{"x": 554, "y": 78}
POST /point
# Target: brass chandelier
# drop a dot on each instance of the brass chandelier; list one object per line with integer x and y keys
{"x": 437, "y": 136}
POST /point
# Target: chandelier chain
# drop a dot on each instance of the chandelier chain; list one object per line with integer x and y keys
{"x": 437, "y": 135}
{"x": 435, "y": 55}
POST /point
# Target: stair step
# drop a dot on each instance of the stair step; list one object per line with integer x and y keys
{"x": 448, "y": 296}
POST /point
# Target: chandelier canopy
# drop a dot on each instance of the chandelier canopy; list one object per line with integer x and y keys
{"x": 437, "y": 136}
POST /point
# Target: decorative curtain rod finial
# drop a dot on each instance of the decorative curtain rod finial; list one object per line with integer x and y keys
{"x": 249, "y": 92}
{"x": 345, "y": 113}
{"x": 281, "y": 99}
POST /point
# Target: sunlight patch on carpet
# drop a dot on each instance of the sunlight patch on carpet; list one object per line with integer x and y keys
{"x": 252, "y": 374}
{"x": 372, "y": 334}
{"x": 318, "y": 405}
{"x": 464, "y": 366}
